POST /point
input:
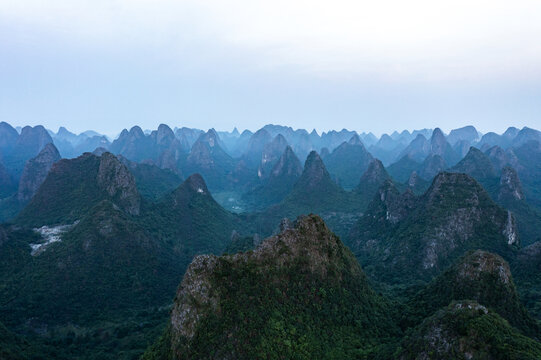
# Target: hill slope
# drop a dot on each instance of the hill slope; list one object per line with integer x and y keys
{"x": 300, "y": 294}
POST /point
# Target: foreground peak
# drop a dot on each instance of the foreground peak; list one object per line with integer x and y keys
{"x": 196, "y": 183}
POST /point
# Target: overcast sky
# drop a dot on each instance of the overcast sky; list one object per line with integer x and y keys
{"x": 363, "y": 65}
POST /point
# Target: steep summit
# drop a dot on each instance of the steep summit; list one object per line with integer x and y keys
{"x": 208, "y": 158}
{"x": 254, "y": 152}
{"x": 483, "y": 277}
{"x": 298, "y": 287}
{"x": 375, "y": 174}
{"x": 192, "y": 219}
{"x": 27, "y": 145}
{"x": 280, "y": 182}
{"x": 271, "y": 153}
{"x": 8, "y": 137}
{"x": 348, "y": 162}
{"x": 468, "y": 330}
{"x": 440, "y": 146}
{"x": 475, "y": 164}
{"x": 372, "y": 179}
{"x": 454, "y": 215}
{"x": 74, "y": 186}
{"x": 35, "y": 171}
{"x": 119, "y": 183}
{"x": 315, "y": 176}
{"x": 194, "y": 185}
{"x": 288, "y": 165}
{"x": 510, "y": 186}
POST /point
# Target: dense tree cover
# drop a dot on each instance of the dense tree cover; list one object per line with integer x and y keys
{"x": 105, "y": 290}
{"x": 152, "y": 182}
{"x": 106, "y": 286}
{"x": 467, "y": 330}
{"x": 402, "y": 239}
{"x": 480, "y": 276}
{"x": 68, "y": 193}
{"x": 288, "y": 305}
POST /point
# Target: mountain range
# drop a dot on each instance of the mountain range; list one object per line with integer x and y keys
{"x": 281, "y": 243}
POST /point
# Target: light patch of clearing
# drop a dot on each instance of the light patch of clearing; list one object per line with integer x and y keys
{"x": 50, "y": 234}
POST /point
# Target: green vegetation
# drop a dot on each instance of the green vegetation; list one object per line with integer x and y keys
{"x": 401, "y": 241}
{"x": 66, "y": 194}
{"x": 153, "y": 182}
{"x": 348, "y": 162}
{"x": 479, "y": 276}
{"x": 467, "y": 330}
{"x": 105, "y": 290}
{"x": 302, "y": 296}
{"x": 402, "y": 169}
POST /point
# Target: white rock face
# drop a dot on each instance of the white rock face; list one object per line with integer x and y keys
{"x": 50, "y": 234}
{"x": 510, "y": 231}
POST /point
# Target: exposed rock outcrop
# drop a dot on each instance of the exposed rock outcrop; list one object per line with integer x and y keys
{"x": 510, "y": 186}
{"x": 35, "y": 171}
{"x": 454, "y": 215}
{"x": 119, "y": 183}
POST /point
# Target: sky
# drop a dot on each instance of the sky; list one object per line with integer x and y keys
{"x": 374, "y": 66}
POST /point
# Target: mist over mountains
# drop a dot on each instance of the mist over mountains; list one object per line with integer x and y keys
{"x": 331, "y": 245}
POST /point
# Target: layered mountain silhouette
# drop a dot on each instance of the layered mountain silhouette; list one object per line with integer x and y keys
{"x": 99, "y": 240}
{"x": 279, "y": 183}
{"x": 35, "y": 171}
{"x": 348, "y": 162}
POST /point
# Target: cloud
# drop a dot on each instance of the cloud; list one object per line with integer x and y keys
{"x": 390, "y": 40}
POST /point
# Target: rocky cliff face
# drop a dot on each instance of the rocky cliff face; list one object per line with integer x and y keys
{"x": 270, "y": 155}
{"x": 118, "y": 183}
{"x": 287, "y": 166}
{"x": 254, "y": 151}
{"x": 302, "y": 269}
{"x": 73, "y": 186}
{"x": 374, "y": 175}
{"x": 280, "y": 182}
{"x": 315, "y": 175}
{"x": 206, "y": 151}
{"x": 510, "y": 186}
{"x": 440, "y": 146}
{"x": 208, "y": 158}
{"x": 35, "y": 171}
{"x": 453, "y": 216}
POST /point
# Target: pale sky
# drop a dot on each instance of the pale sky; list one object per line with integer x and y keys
{"x": 362, "y": 65}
